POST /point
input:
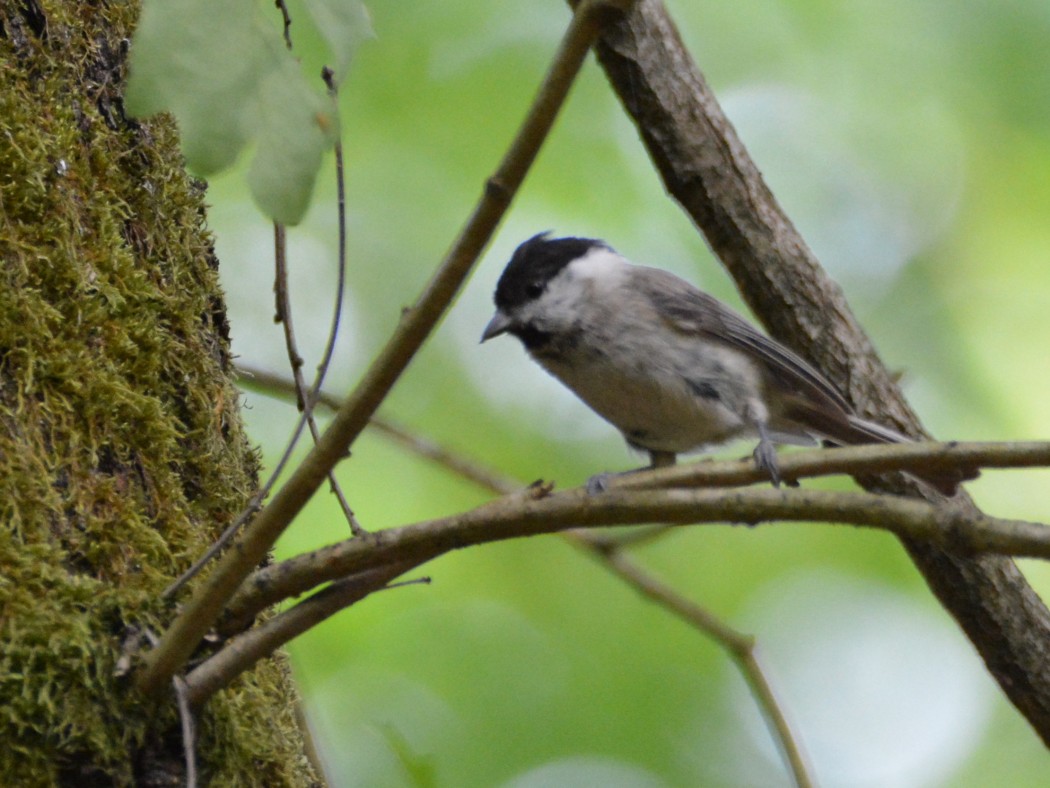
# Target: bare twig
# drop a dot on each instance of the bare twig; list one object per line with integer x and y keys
{"x": 189, "y": 730}
{"x": 304, "y": 397}
{"x": 741, "y": 647}
{"x": 286, "y": 18}
{"x": 244, "y": 650}
{"x": 340, "y": 293}
{"x": 201, "y": 611}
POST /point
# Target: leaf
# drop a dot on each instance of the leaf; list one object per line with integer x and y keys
{"x": 222, "y": 69}
{"x": 421, "y": 769}
{"x": 344, "y": 25}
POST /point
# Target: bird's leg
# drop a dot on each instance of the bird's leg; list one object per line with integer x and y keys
{"x": 765, "y": 454}
{"x": 661, "y": 459}
{"x": 657, "y": 459}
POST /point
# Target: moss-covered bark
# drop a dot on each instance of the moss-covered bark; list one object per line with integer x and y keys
{"x": 122, "y": 453}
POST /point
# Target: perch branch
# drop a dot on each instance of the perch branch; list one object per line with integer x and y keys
{"x": 532, "y": 512}
{"x": 609, "y": 554}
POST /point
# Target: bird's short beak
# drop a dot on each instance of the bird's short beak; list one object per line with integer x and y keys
{"x": 498, "y": 325}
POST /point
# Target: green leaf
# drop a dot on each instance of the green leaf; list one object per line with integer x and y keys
{"x": 222, "y": 69}
{"x": 421, "y": 769}
{"x": 344, "y": 25}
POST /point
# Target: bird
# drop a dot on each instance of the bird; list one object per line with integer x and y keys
{"x": 671, "y": 367}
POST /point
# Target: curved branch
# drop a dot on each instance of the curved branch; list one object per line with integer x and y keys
{"x": 742, "y": 649}
{"x": 534, "y": 511}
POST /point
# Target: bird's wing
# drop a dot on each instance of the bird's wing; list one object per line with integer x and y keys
{"x": 691, "y": 311}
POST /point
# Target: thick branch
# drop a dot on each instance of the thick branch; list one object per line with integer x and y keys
{"x": 707, "y": 169}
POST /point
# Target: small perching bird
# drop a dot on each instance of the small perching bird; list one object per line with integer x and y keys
{"x": 671, "y": 367}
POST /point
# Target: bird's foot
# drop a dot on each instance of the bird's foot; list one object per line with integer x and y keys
{"x": 765, "y": 455}
{"x": 599, "y": 483}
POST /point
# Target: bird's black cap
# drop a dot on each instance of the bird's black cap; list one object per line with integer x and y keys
{"x": 534, "y": 264}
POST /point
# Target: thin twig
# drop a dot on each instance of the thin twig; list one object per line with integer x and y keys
{"x": 189, "y": 730}
{"x": 741, "y": 647}
{"x": 340, "y": 292}
{"x": 205, "y": 606}
{"x": 244, "y": 650}
{"x": 304, "y": 397}
{"x": 286, "y": 18}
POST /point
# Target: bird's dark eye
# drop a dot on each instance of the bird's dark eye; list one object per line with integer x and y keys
{"x": 534, "y": 289}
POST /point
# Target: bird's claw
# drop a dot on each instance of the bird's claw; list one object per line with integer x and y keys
{"x": 598, "y": 483}
{"x": 766, "y": 460}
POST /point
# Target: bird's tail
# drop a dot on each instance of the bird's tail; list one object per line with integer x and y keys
{"x": 854, "y": 430}
{"x": 862, "y": 431}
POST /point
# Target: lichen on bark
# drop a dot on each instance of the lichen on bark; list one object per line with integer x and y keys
{"x": 122, "y": 452}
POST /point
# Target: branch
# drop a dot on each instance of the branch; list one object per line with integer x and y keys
{"x": 741, "y": 647}
{"x": 305, "y": 397}
{"x": 244, "y": 650}
{"x": 609, "y": 554}
{"x": 205, "y": 606}
{"x": 533, "y": 512}
{"x": 857, "y": 461}
{"x": 706, "y": 168}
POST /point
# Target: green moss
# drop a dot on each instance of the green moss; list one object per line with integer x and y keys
{"x": 122, "y": 453}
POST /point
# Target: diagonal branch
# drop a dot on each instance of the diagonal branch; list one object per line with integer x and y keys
{"x": 706, "y": 168}
{"x": 241, "y": 652}
{"x": 741, "y": 648}
{"x": 417, "y": 323}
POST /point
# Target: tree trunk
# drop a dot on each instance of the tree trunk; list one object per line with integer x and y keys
{"x": 122, "y": 452}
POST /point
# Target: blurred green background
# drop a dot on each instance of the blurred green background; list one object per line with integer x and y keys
{"x": 910, "y": 142}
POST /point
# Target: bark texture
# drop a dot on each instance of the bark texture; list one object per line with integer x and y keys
{"x": 122, "y": 453}
{"x": 706, "y": 168}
